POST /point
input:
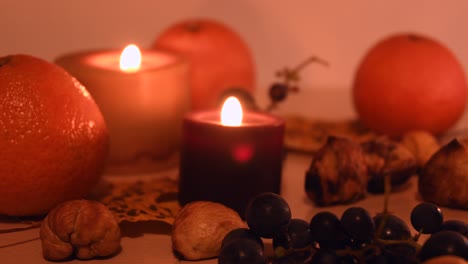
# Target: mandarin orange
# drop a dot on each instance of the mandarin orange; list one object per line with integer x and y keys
{"x": 409, "y": 82}
{"x": 219, "y": 59}
{"x": 53, "y": 138}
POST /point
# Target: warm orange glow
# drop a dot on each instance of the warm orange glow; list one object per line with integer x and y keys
{"x": 231, "y": 113}
{"x": 130, "y": 59}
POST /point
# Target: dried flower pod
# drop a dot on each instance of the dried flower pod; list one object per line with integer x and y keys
{"x": 338, "y": 173}
{"x": 200, "y": 227}
{"x": 386, "y": 157}
{"x": 444, "y": 178}
{"x": 83, "y": 228}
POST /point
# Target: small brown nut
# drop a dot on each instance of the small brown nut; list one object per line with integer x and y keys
{"x": 387, "y": 157}
{"x": 444, "y": 178}
{"x": 338, "y": 173}
{"x": 200, "y": 227}
{"x": 422, "y": 144}
{"x": 83, "y": 228}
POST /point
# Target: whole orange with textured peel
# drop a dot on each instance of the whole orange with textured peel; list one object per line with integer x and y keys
{"x": 409, "y": 82}
{"x": 53, "y": 138}
{"x": 219, "y": 59}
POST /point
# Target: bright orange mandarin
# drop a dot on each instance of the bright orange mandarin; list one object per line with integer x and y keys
{"x": 409, "y": 82}
{"x": 219, "y": 58}
{"x": 53, "y": 138}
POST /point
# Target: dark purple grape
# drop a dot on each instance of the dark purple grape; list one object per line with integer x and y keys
{"x": 299, "y": 232}
{"x": 455, "y": 225}
{"x": 358, "y": 224}
{"x": 426, "y": 218}
{"x": 444, "y": 243}
{"x": 326, "y": 229}
{"x": 401, "y": 253}
{"x": 241, "y": 233}
{"x": 325, "y": 257}
{"x": 378, "y": 259}
{"x": 296, "y": 236}
{"x": 347, "y": 259}
{"x": 278, "y": 92}
{"x": 324, "y": 225}
{"x": 393, "y": 229}
{"x": 242, "y": 251}
{"x": 282, "y": 239}
{"x": 358, "y": 244}
{"x": 294, "y": 258}
{"x": 267, "y": 213}
{"x": 284, "y": 260}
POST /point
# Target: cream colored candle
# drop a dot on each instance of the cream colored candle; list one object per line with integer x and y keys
{"x": 143, "y": 103}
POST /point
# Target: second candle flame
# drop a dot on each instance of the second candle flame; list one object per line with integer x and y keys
{"x": 130, "y": 59}
{"x": 231, "y": 113}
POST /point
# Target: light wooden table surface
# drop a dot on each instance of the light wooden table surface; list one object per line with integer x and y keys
{"x": 143, "y": 243}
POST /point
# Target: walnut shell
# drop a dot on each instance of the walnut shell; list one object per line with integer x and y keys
{"x": 444, "y": 178}
{"x": 422, "y": 144}
{"x": 387, "y": 157}
{"x": 337, "y": 174}
{"x": 200, "y": 227}
{"x": 83, "y": 228}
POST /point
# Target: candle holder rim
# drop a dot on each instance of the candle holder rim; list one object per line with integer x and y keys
{"x": 273, "y": 120}
{"x": 82, "y": 56}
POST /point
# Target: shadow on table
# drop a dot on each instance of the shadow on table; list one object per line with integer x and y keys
{"x": 137, "y": 229}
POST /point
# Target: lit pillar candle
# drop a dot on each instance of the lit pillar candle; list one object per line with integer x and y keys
{"x": 143, "y": 96}
{"x": 229, "y": 156}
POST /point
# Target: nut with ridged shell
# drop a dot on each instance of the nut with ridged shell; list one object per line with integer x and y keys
{"x": 81, "y": 228}
{"x": 422, "y": 144}
{"x": 444, "y": 178}
{"x": 200, "y": 227}
{"x": 337, "y": 173}
{"x": 387, "y": 157}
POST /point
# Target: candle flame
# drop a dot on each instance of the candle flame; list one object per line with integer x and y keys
{"x": 231, "y": 113}
{"x": 130, "y": 59}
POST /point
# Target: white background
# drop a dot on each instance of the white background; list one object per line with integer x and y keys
{"x": 279, "y": 33}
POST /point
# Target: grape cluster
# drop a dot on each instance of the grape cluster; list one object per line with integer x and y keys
{"x": 355, "y": 237}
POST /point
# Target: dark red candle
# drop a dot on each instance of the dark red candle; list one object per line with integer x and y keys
{"x": 230, "y": 164}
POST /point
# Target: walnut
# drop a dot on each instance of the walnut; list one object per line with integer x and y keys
{"x": 422, "y": 144}
{"x": 83, "y": 228}
{"x": 338, "y": 173}
{"x": 200, "y": 227}
{"x": 444, "y": 178}
{"x": 387, "y": 157}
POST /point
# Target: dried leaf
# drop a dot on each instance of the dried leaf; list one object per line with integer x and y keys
{"x": 142, "y": 200}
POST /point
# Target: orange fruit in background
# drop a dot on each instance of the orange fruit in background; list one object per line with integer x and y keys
{"x": 219, "y": 59}
{"x": 53, "y": 138}
{"x": 409, "y": 82}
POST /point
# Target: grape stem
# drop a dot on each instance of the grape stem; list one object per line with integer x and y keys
{"x": 271, "y": 107}
{"x": 291, "y": 76}
{"x": 417, "y": 236}
{"x": 387, "y": 191}
{"x": 309, "y": 60}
